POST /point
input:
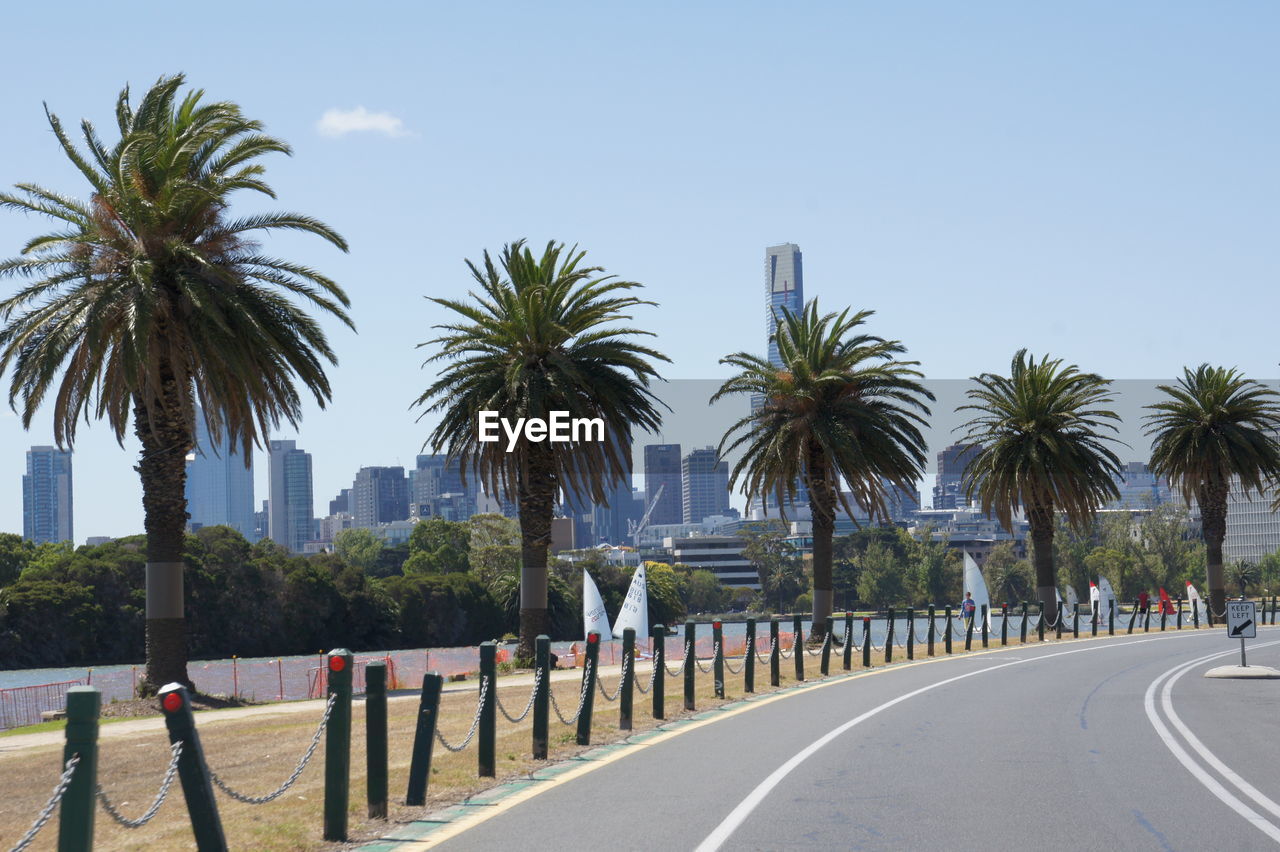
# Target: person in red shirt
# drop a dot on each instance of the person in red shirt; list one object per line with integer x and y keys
{"x": 1143, "y": 601}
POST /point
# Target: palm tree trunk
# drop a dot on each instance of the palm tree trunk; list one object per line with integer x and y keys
{"x": 1040, "y": 519}
{"x": 1213, "y": 525}
{"x": 537, "y": 490}
{"x": 822, "y": 510}
{"x": 162, "y": 467}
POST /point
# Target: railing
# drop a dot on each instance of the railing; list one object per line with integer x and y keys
{"x": 25, "y": 705}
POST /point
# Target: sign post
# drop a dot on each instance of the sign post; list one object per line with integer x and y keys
{"x": 1242, "y": 622}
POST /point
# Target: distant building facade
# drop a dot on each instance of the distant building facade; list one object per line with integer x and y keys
{"x": 719, "y": 554}
{"x": 948, "y": 490}
{"x": 380, "y": 495}
{"x": 1140, "y": 488}
{"x": 1253, "y": 530}
{"x": 436, "y": 484}
{"x": 47, "y": 496}
{"x": 290, "y": 502}
{"x": 662, "y": 468}
{"x": 704, "y": 481}
{"x": 219, "y": 485}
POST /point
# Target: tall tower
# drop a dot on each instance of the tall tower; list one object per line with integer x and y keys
{"x": 46, "y": 496}
{"x": 290, "y": 506}
{"x": 662, "y": 467}
{"x": 219, "y": 484}
{"x": 705, "y": 485}
{"x": 379, "y": 495}
{"x": 784, "y": 288}
{"x": 948, "y": 490}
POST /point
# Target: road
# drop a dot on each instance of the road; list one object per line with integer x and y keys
{"x": 1109, "y": 743}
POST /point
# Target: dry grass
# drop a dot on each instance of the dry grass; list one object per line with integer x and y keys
{"x": 255, "y": 753}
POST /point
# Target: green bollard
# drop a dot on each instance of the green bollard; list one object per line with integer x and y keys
{"x": 589, "y": 675}
{"x": 848, "y": 641}
{"x": 984, "y": 625}
{"x": 424, "y": 737}
{"x": 486, "y": 729}
{"x": 542, "y": 698}
{"x": 375, "y": 738}
{"x": 946, "y": 631}
{"x": 659, "y": 692}
{"x": 193, "y": 772}
{"x": 690, "y": 662}
{"x": 1022, "y": 631}
{"x": 929, "y": 636}
{"x": 337, "y": 747}
{"x": 1075, "y": 621}
{"x": 749, "y": 665}
{"x": 1004, "y": 624}
{"x": 866, "y": 642}
{"x": 797, "y": 646}
{"x": 824, "y": 667}
{"x": 717, "y": 663}
{"x": 888, "y": 637}
{"x": 911, "y": 633}
{"x": 75, "y": 815}
{"x": 628, "y": 678}
{"x": 775, "y": 654}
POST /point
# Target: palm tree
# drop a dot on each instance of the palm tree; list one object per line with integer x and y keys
{"x": 1216, "y": 425}
{"x": 150, "y": 300}
{"x": 1042, "y": 451}
{"x": 839, "y": 405}
{"x": 539, "y": 338}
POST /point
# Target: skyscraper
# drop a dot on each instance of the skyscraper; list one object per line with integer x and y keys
{"x": 219, "y": 485}
{"x": 784, "y": 288}
{"x": 290, "y": 507}
{"x": 704, "y": 482}
{"x": 948, "y": 490}
{"x": 379, "y": 495}
{"x": 46, "y": 496}
{"x": 662, "y": 468}
{"x": 437, "y": 484}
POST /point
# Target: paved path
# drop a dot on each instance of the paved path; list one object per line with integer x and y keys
{"x": 1114, "y": 744}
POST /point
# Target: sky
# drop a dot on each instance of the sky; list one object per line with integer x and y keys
{"x": 1093, "y": 180}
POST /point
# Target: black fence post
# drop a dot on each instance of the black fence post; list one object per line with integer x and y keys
{"x": 749, "y": 664}
{"x": 75, "y": 815}
{"x": 1004, "y": 624}
{"x": 1040, "y": 626}
{"x": 424, "y": 738}
{"x": 1163, "y": 615}
{"x": 1111, "y": 616}
{"x": 690, "y": 662}
{"x": 628, "y": 678}
{"x": 911, "y": 633}
{"x": 542, "y": 695}
{"x": 946, "y": 630}
{"x": 375, "y": 738}
{"x": 985, "y": 610}
{"x": 337, "y": 746}
{"x": 1022, "y": 631}
{"x": 866, "y": 641}
{"x": 848, "y": 641}
{"x": 486, "y": 733}
{"x": 1075, "y": 621}
{"x": 197, "y": 787}
{"x": 797, "y": 646}
{"x": 1195, "y": 614}
{"x": 717, "y": 663}
{"x": 775, "y": 653}
{"x": 1132, "y": 616}
{"x": 659, "y": 691}
{"x": 589, "y": 676}
{"x": 1180, "y": 612}
{"x": 968, "y": 632}
{"x": 930, "y": 633}
{"x": 1061, "y": 616}
{"x": 1146, "y": 619}
{"x": 888, "y": 636}
{"x": 825, "y": 663}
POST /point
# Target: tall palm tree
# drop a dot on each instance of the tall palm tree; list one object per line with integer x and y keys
{"x": 1042, "y": 450}
{"x": 1216, "y": 425}
{"x": 840, "y": 406}
{"x": 150, "y": 299}
{"x": 540, "y": 336}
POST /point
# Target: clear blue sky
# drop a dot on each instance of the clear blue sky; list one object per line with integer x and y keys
{"x": 1095, "y": 180}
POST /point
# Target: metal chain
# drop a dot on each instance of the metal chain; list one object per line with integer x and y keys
{"x": 653, "y": 678}
{"x": 679, "y": 668}
{"x": 58, "y": 792}
{"x": 302, "y": 764}
{"x": 475, "y": 723}
{"x": 169, "y": 774}
{"x": 515, "y": 720}
{"x": 739, "y": 669}
{"x": 618, "y": 689}
{"x": 582, "y": 698}
{"x": 786, "y": 655}
{"x": 714, "y": 652}
{"x": 773, "y": 646}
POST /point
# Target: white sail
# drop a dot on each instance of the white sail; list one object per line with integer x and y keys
{"x": 594, "y": 617}
{"x": 1072, "y": 599}
{"x": 1193, "y": 595}
{"x": 1106, "y": 597}
{"x": 635, "y": 608}
{"x": 977, "y": 587}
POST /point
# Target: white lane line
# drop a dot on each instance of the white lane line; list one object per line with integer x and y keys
{"x": 1208, "y": 781}
{"x": 739, "y": 814}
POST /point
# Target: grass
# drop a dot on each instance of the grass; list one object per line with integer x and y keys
{"x": 253, "y": 754}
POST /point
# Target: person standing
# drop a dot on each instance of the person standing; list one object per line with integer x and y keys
{"x": 1095, "y": 598}
{"x": 967, "y": 609}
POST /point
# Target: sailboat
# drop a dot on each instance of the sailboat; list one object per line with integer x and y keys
{"x": 1193, "y": 598}
{"x": 635, "y": 608}
{"x": 977, "y": 587}
{"x": 594, "y": 617}
{"x": 1106, "y": 598}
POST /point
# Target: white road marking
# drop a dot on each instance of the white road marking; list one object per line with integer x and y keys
{"x": 1210, "y": 783}
{"x": 738, "y": 815}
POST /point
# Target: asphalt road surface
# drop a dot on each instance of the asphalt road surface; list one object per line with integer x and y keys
{"x": 1114, "y": 744}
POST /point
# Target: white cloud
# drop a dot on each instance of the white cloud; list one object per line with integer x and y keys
{"x": 340, "y": 122}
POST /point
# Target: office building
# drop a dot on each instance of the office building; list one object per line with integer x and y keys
{"x": 1140, "y": 488}
{"x": 704, "y": 481}
{"x": 436, "y": 482}
{"x": 380, "y": 495}
{"x": 949, "y": 487}
{"x": 784, "y": 288}
{"x": 662, "y": 469}
{"x": 1253, "y": 530}
{"x": 719, "y": 554}
{"x": 290, "y": 503}
{"x": 46, "y": 496}
{"x": 219, "y": 484}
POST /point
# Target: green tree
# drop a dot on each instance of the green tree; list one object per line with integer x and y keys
{"x": 705, "y": 593}
{"x": 15, "y": 554}
{"x": 880, "y": 582}
{"x": 777, "y": 565}
{"x": 542, "y": 335}
{"x": 439, "y": 546}
{"x": 1214, "y": 426}
{"x": 1243, "y": 574}
{"x": 1042, "y": 451}
{"x": 840, "y": 406}
{"x": 358, "y": 547}
{"x": 149, "y": 299}
{"x": 1007, "y": 576}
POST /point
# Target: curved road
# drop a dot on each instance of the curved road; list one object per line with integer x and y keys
{"x": 1110, "y": 743}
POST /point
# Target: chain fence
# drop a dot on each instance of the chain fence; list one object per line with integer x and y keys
{"x": 533, "y": 694}
{"x": 582, "y": 700}
{"x": 617, "y": 690}
{"x": 289, "y": 782}
{"x": 169, "y": 775}
{"x": 475, "y": 722}
{"x": 69, "y": 770}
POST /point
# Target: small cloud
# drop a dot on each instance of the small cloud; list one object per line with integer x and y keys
{"x": 340, "y": 122}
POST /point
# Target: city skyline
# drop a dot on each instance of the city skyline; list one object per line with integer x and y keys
{"x": 963, "y": 172}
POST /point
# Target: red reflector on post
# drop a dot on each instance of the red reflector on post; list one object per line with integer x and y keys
{"x": 172, "y": 702}
{"x": 337, "y": 664}
{"x": 716, "y": 625}
{"x": 593, "y": 638}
